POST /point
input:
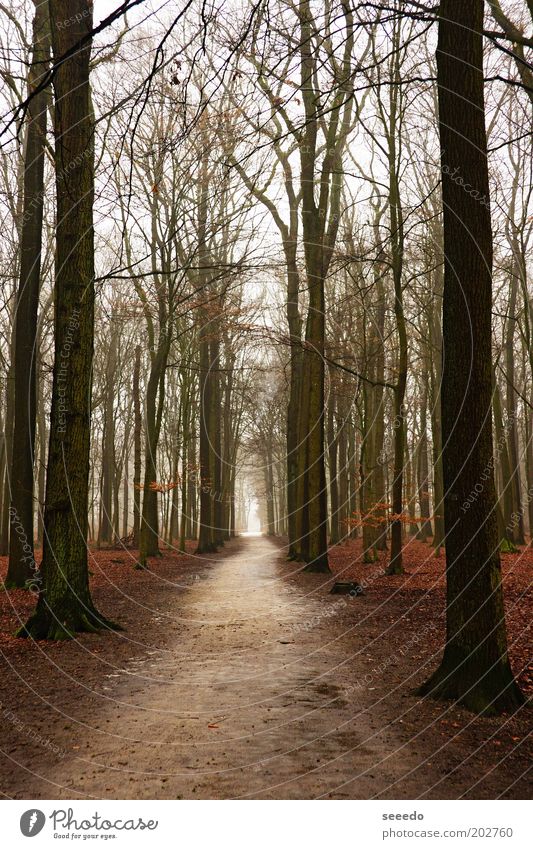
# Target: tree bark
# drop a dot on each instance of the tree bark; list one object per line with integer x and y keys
{"x": 65, "y": 605}
{"x": 137, "y": 430}
{"x": 334, "y": 535}
{"x": 155, "y": 390}
{"x": 475, "y": 668}
{"x": 108, "y": 445}
{"x": 423, "y": 469}
{"x": 21, "y": 545}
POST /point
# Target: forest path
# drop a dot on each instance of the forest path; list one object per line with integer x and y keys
{"x": 252, "y": 698}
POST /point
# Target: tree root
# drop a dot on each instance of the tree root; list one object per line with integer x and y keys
{"x": 45, "y": 625}
{"x": 320, "y": 567}
{"x": 210, "y": 548}
{"x": 488, "y": 695}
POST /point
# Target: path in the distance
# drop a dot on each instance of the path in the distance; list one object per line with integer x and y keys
{"x": 246, "y": 703}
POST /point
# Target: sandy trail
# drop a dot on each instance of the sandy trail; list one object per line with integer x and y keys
{"x": 248, "y": 682}
{"x": 249, "y": 701}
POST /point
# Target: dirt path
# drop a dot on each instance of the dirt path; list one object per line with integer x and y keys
{"x": 252, "y": 693}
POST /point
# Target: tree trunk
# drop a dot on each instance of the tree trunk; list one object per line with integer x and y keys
{"x": 108, "y": 446}
{"x": 333, "y": 472}
{"x": 65, "y": 605}
{"x": 149, "y": 529}
{"x": 8, "y": 453}
{"x": 125, "y": 499}
{"x": 206, "y": 542}
{"x": 192, "y": 491}
{"x": 41, "y": 475}
{"x": 269, "y": 492}
{"x": 422, "y": 469}
{"x": 396, "y": 561}
{"x": 410, "y": 486}
{"x": 294, "y": 448}
{"x": 505, "y": 500}
{"x": 216, "y": 437}
{"x": 475, "y": 668}
{"x": 137, "y": 430}
{"x": 512, "y": 423}
{"x": 206, "y": 536}
{"x": 21, "y": 552}
{"x": 436, "y": 433}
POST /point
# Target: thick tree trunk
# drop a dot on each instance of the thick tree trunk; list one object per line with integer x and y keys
{"x": 314, "y": 543}
{"x": 475, "y": 668}
{"x": 137, "y": 430}
{"x": 65, "y": 605}
{"x": 21, "y": 554}
{"x": 320, "y": 217}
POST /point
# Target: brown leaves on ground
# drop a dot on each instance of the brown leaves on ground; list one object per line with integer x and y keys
{"x": 112, "y": 578}
{"x": 420, "y": 592}
{"x": 391, "y": 636}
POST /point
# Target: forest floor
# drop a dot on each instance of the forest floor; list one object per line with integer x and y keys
{"x": 239, "y": 676}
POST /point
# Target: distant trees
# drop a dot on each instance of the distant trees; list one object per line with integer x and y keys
{"x": 308, "y": 125}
